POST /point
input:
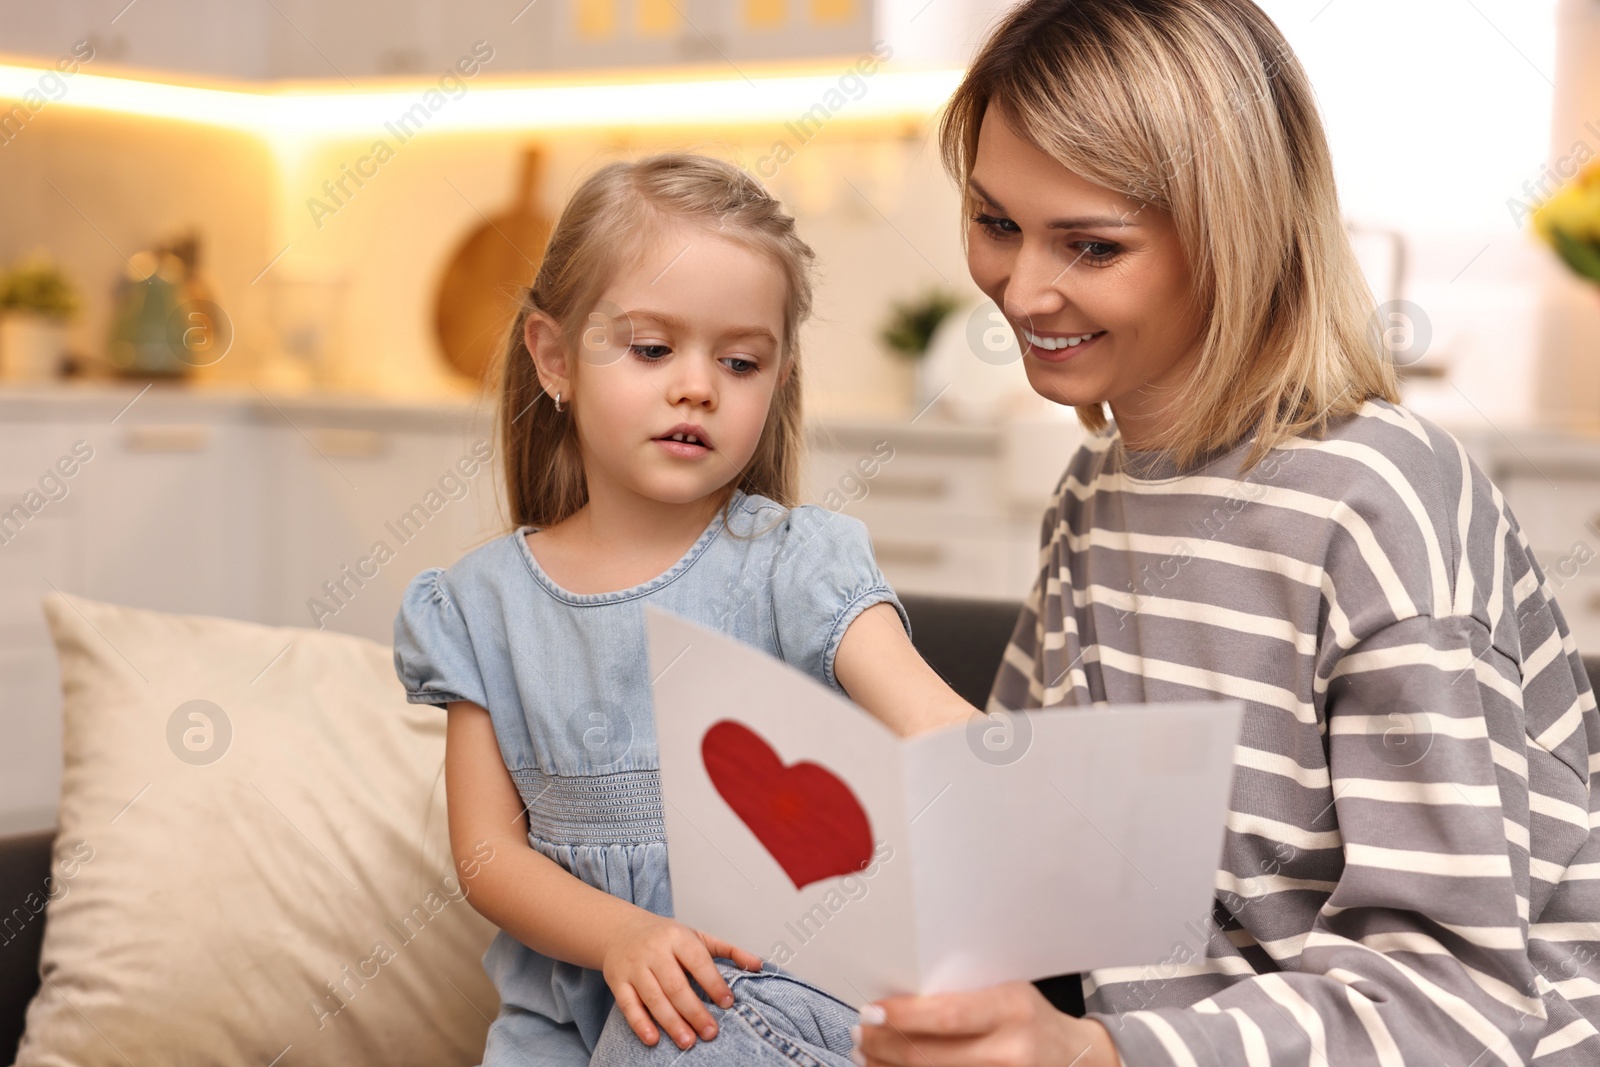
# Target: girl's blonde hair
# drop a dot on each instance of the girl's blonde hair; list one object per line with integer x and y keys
{"x": 605, "y": 228}
{"x": 1199, "y": 108}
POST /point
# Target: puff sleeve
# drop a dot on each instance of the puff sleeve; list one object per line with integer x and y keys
{"x": 824, "y": 575}
{"x": 433, "y": 653}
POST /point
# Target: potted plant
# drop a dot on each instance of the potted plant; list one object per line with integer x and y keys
{"x": 36, "y": 302}
{"x": 910, "y": 327}
{"x": 1569, "y": 222}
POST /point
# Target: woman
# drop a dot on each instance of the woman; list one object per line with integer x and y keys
{"x": 1409, "y": 873}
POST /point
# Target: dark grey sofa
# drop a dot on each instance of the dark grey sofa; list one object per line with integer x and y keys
{"x": 962, "y": 639}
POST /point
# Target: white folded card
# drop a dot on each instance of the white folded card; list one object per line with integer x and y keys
{"x": 1014, "y": 847}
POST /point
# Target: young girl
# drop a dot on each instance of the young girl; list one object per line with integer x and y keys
{"x": 650, "y": 428}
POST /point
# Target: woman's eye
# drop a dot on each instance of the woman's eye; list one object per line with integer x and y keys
{"x": 1098, "y": 252}
{"x": 995, "y": 226}
{"x": 741, "y": 366}
{"x": 650, "y": 353}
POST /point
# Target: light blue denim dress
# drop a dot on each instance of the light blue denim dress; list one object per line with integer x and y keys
{"x": 565, "y": 678}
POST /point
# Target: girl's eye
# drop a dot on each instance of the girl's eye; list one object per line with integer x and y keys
{"x": 996, "y": 226}
{"x": 656, "y": 353}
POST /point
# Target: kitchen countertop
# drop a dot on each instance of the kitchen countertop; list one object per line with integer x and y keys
{"x": 1551, "y": 452}
{"x": 163, "y": 402}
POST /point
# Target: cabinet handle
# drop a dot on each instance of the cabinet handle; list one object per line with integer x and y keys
{"x": 350, "y": 444}
{"x": 151, "y": 438}
{"x": 909, "y": 553}
{"x": 913, "y": 488}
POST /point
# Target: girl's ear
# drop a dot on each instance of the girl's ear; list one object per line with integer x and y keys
{"x": 542, "y": 335}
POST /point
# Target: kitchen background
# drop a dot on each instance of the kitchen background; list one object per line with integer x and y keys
{"x": 253, "y": 253}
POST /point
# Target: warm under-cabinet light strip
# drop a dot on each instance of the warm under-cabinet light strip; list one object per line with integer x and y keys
{"x": 732, "y": 100}
{"x": 31, "y": 90}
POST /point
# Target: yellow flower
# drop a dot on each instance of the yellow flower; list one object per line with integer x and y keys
{"x": 1574, "y": 210}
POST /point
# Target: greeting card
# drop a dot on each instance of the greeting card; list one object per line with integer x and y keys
{"x": 1015, "y": 846}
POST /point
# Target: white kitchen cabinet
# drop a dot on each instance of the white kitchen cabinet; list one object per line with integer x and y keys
{"x": 336, "y": 40}
{"x": 622, "y": 33}
{"x": 48, "y": 31}
{"x": 315, "y": 39}
{"x": 943, "y": 504}
{"x": 254, "y": 40}
{"x": 206, "y": 504}
{"x": 217, "y": 40}
{"x": 1558, "y": 510}
{"x": 174, "y": 509}
{"x": 160, "y": 514}
{"x": 39, "y": 550}
{"x": 368, "y": 509}
{"x": 521, "y": 32}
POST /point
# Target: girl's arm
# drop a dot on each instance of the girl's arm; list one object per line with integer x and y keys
{"x": 534, "y": 899}
{"x": 883, "y": 672}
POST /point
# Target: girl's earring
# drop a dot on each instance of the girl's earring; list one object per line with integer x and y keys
{"x": 558, "y": 400}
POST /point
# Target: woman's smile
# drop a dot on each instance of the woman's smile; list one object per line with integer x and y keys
{"x": 1057, "y": 347}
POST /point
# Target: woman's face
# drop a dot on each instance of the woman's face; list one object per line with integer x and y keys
{"x": 1094, "y": 284}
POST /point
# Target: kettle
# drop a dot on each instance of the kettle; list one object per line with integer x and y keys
{"x": 147, "y": 298}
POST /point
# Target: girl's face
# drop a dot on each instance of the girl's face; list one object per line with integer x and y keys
{"x": 1094, "y": 284}
{"x": 686, "y": 342}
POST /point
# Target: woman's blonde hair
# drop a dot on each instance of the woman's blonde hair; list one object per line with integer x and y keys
{"x": 1200, "y": 109}
{"x": 606, "y": 227}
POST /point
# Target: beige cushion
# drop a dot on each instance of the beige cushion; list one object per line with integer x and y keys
{"x": 294, "y": 897}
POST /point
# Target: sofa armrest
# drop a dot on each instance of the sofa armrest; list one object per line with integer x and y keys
{"x": 24, "y": 867}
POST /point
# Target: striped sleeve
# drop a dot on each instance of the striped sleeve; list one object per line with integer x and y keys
{"x": 1421, "y": 954}
{"x": 1017, "y": 684}
{"x": 1564, "y": 891}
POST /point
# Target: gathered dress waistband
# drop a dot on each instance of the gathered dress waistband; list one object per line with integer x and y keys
{"x": 620, "y": 808}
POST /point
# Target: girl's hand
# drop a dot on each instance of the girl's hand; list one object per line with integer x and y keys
{"x": 644, "y": 965}
{"x": 1009, "y": 1025}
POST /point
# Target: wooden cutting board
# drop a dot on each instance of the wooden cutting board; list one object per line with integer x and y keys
{"x": 480, "y": 289}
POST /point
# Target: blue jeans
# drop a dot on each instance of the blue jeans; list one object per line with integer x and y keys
{"x": 776, "y": 1019}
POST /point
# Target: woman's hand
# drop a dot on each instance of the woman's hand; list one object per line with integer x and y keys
{"x": 1009, "y": 1025}
{"x": 645, "y": 963}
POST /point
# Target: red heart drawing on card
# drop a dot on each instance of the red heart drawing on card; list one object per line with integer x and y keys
{"x": 803, "y": 814}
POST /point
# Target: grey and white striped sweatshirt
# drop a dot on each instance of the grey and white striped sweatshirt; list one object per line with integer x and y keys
{"x": 1411, "y": 873}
